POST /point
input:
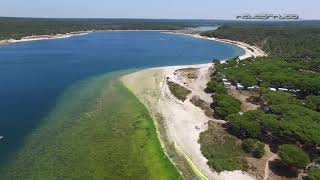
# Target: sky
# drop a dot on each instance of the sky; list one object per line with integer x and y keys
{"x": 157, "y": 9}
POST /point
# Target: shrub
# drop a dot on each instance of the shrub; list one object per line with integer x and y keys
{"x": 222, "y": 150}
{"x": 253, "y": 147}
{"x": 178, "y": 91}
{"x": 293, "y": 156}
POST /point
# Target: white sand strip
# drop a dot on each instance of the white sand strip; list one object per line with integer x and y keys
{"x": 43, "y": 37}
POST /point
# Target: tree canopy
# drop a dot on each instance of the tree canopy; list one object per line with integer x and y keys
{"x": 225, "y": 105}
{"x": 253, "y": 124}
{"x": 288, "y": 82}
{"x": 214, "y": 87}
{"x": 293, "y": 156}
{"x": 274, "y": 72}
{"x": 281, "y": 40}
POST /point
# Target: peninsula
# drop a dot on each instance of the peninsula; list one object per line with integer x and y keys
{"x": 194, "y": 104}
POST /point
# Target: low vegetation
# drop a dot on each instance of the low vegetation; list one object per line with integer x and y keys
{"x": 253, "y": 147}
{"x": 178, "y": 91}
{"x": 202, "y": 104}
{"x": 222, "y": 150}
{"x": 192, "y": 76}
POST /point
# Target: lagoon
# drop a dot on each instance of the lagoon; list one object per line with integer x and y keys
{"x": 60, "y": 102}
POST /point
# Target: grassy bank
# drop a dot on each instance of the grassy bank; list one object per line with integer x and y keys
{"x": 222, "y": 150}
{"x": 98, "y": 130}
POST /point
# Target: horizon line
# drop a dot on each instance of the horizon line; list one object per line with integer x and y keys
{"x": 135, "y": 18}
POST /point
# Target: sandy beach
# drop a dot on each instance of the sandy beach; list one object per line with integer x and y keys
{"x": 250, "y": 51}
{"x": 183, "y": 120}
{"x": 43, "y": 37}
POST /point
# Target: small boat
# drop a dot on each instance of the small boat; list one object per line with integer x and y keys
{"x": 1, "y": 137}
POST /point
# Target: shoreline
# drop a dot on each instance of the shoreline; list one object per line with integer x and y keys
{"x": 249, "y": 50}
{"x": 43, "y": 37}
{"x": 180, "y": 118}
{"x": 66, "y": 35}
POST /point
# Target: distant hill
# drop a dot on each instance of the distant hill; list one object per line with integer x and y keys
{"x": 16, "y": 28}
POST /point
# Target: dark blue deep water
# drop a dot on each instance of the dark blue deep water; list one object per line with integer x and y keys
{"x": 34, "y": 74}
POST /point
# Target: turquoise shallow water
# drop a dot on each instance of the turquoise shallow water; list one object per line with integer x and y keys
{"x": 34, "y": 75}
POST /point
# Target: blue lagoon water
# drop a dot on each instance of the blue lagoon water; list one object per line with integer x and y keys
{"x": 34, "y": 74}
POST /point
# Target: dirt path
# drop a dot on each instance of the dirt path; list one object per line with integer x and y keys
{"x": 266, "y": 168}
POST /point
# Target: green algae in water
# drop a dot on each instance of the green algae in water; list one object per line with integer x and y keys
{"x": 98, "y": 130}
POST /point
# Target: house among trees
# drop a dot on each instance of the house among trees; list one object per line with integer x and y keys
{"x": 240, "y": 86}
{"x": 227, "y": 85}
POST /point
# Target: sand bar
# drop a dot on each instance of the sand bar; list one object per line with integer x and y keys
{"x": 43, "y": 37}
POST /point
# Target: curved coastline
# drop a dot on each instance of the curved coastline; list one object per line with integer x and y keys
{"x": 152, "y": 76}
{"x": 155, "y": 120}
{"x": 249, "y": 50}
